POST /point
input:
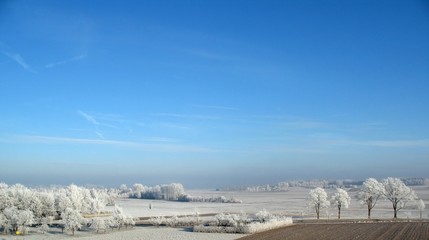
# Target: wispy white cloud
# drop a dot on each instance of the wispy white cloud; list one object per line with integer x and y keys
{"x": 73, "y": 59}
{"x": 16, "y": 57}
{"x": 88, "y": 117}
{"x": 151, "y": 145}
{"x": 99, "y": 134}
{"x": 91, "y": 119}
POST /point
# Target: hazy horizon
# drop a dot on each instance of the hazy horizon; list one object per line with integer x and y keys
{"x": 212, "y": 93}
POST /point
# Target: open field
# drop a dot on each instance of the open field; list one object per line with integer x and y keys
{"x": 152, "y": 233}
{"x": 290, "y": 203}
{"x": 346, "y": 231}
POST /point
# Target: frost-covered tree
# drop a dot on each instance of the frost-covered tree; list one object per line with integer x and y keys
{"x": 119, "y": 217}
{"x": 43, "y": 228}
{"x": 157, "y": 221}
{"x": 318, "y": 199}
{"x": 99, "y": 224}
{"x": 369, "y": 194}
{"x": 172, "y": 191}
{"x": 4, "y": 223}
{"x": 20, "y": 196}
{"x": 76, "y": 198}
{"x": 25, "y": 219}
{"x": 96, "y": 202}
{"x": 72, "y": 220}
{"x": 340, "y": 199}
{"x": 138, "y": 190}
{"x": 11, "y": 216}
{"x": 263, "y": 216}
{"x": 62, "y": 202}
{"x": 129, "y": 221}
{"x": 123, "y": 188}
{"x": 44, "y": 225}
{"x": 398, "y": 193}
{"x": 421, "y": 206}
{"x": 5, "y": 200}
{"x": 47, "y": 204}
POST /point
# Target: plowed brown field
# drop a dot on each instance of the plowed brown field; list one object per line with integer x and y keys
{"x": 347, "y": 231}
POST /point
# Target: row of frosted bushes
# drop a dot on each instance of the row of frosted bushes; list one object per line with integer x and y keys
{"x": 227, "y": 223}
{"x": 213, "y": 199}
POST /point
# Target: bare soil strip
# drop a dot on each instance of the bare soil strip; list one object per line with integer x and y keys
{"x": 347, "y": 231}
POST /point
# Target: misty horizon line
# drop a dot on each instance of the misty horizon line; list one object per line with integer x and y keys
{"x": 329, "y": 182}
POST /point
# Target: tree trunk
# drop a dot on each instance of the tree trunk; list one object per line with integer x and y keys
{"x": 317, "y": 212}
{"x": 339, "y": 212}
{"x": 395, "y": 211}
{"x": 369, "y": 213}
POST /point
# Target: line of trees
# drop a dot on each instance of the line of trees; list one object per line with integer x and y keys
{"x": 391, "y": 189}
{"x": 169, "y": 192}
{"x": 21, "y": 207}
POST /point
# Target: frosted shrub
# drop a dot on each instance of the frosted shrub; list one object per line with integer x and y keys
{"x": 157, "y": 221}
{"x": 263, "y": 216}
{"x": 175, "y": 221}
{"x": 227, "y": 220}
{"x": 72, "y": 220}
{"x": 25, "y": 219}
{"x": 234, "y": 223}
{"x": 118, "y": 218}
{"x": 274, "y": 222}
{"x": 99, "y": 224}
{"x": 4, "y": 223}
{"x": 12, "y": 218}
{"x": 172, "y": 221}
{"x": 129, "y": 221}
{"x": 189, "y": 220}
{"x": 213, "y": 229}
{"x": 44, "y": 228}
{"x": 221, "y": 199}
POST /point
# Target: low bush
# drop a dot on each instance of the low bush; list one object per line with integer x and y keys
{"x": 221, "y": 199}
{"x": 157, "y": 221}
{"x": 175, "y": 221}
{"x": 234, "y": 223}
{"x": 268, "y": 225}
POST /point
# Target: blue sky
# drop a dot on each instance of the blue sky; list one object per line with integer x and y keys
{"x": 212, "y": 93}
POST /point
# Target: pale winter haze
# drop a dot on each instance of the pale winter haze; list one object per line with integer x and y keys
{"x": 208, "y": 93}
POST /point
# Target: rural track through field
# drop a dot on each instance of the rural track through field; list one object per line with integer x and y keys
{"x": 348, "y": 231}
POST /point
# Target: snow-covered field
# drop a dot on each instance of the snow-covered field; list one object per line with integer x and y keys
{"x": 153, "y": 233}
{"x": 290, "y": 203}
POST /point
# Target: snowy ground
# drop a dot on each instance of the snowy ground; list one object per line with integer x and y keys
{"x": 153, "y": 233}
{"x": 290, "y": 203}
